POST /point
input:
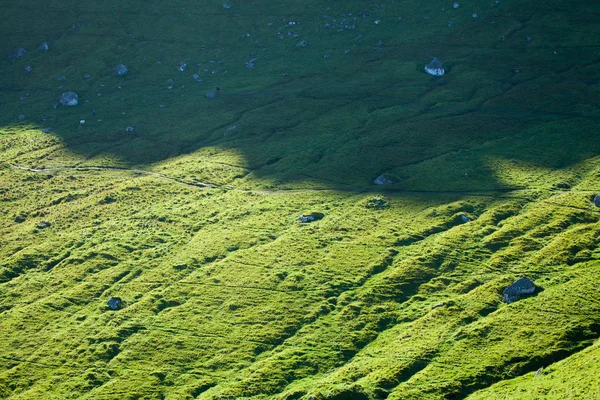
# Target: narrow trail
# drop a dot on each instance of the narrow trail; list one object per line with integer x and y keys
{"x": 355, "y": 190}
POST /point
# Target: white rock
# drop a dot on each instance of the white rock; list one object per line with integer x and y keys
{"x": 435, "y": 68}
{"x": 69, "y": 99}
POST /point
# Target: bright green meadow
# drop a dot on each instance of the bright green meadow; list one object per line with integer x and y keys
{"x": 283, "y": 109}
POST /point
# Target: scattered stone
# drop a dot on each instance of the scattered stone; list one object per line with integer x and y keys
{"x": 529, "y": 38}
{"x": 311, "y": 217}
{"x": 464, "y": 218}
{"x": 302, "y": 43}
{"x": 162, "y": 106}
{"x": 114, "y": 303}
{"x": 81, "y": 122}
{"x": 62, "y": 78}
{"x": 435, "y": 68}
{"x": 87, "y": 76}
{"x": 211, "y": 95}
{"x": 197, "y": 78}
{"x": 377, "y": 203}
{"x": 226, "y": 5}
{"x": 539, "y": 372}
{"x": 231, "y": 128}
{"x": 45, "y": 46}
{"x": 383, "y": 180}
{"x": 129, "y": 129}
{"x": 43, "y": 224}
{"x": 597, "y": 200}
{"x": 28, "y": 68}
{"x": 17, "y": 53}
{"x": 21, "y": 117}
{"x": 69, "y": 99}
{"x": 522, "y": 286}
{"x": 121, "y": 70}
{"x": 456, "y": 5}
{"x": 182, "y": 66}
{"x": 47, "y": 130}
{"x": 251, "y": 63}
{"x": 376, "y": 22}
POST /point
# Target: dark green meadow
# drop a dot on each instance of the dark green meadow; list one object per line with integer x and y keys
{"x": 282, "y": 109}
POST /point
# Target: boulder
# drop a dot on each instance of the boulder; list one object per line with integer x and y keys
{"x": 18, "y": 53}
{"x": 520, "y": 287}
{"x": 45, "y": 46}
{"x": 464, "y": 218}
{"x": 597, "y": 200}
{"x": 311, "y": 217}
{"x": 121, "y": 70}
{"x": 383, "y": 180}
{"x": 114, "y": 303}
{"x": 435, "y": 68}
{"x": 69, "y": 99}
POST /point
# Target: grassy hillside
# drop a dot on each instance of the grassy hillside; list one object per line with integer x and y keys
{"x": 284, "y": 109}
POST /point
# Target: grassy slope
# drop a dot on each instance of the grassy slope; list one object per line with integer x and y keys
{"x": 227, "y": 295}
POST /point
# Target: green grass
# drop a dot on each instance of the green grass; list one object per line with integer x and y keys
{"x": 192, "y": 222}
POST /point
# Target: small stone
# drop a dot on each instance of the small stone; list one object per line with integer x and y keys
{"x": 464, "y": 218}
{"x": 45, "y": 46}
{"x": 302, "y": 43}
{"x": 114, "y": 303}
{"x": 69, "y": 99}
{"x": 226, "y": 5}
{"x": 47, "y": 130}
{"x": 251, "y": 63}
{"x": 475, "y": 15}
{"x": 87, "y": 76}
{"x": 522, "y": 286}
{"x": 28, "y": 68}
{"x": 43, "y": 224}
{"x": 21, "y": 117}
{"x": 435, "y": 68}
{"x": 81, "y": 121}
{"x": 182, "y": 66}
{"x": 18, "y": 53}
{"x": 62, "y": 78}
{"x": 597, "y": 200}
{"x": 529, "y": 38}
{"x": 456, "y": 5}
{"x": 121, "y": 70}
{"x": 438, "y": 305}
{"x": 376, "y": 22}
{"x": 129, "y": 129}
{"x": 538, "y": 372}
{"x": 311, "y": 217}
{"x": 211, "y": 95}
{"x": 383, "y": 180}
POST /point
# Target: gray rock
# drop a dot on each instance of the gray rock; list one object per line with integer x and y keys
{"x": 47, "y": 130}
{"x": 69, "y": 99}
{"x": 520, "y": 287}
{"x": 211, "y": 95}
{"x": 383, "y": 180}
{"x": 121, "y": 70}
{"x": 435, "y": 68}
{"x": 43, "y": 224}
{"x": 129, "y": 129}
{"x": 45, "y": 46}
{"x": 302, "y": 43}
{"x": 28, "y": 68}
{"x": 114, "y": 303}
{"x": 62, "y": 78}
{"x": 311, "y": 217}
{"x": 182, "y": 66}
{"x": 597, "y": 200}
{"x": 18, "y": 53}
{"x": 251, "y": 63}
{"x": 21, "y": 117}
{"x": 464, "y": 218}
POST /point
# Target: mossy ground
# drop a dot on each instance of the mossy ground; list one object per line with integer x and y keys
{"x": 191, "y": 218}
